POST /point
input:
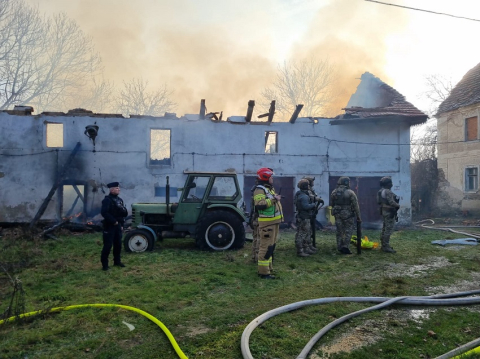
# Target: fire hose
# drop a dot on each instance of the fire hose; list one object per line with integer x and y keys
{"x": 169, "y": 335}
{"x": 448, "y": 229}
{"x": 384, "y": 302}
{"x": 437, "y": 300}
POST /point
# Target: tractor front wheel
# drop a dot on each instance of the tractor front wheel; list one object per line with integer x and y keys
{"x": 138, "y": 240}
{"x": 220, "y": 230}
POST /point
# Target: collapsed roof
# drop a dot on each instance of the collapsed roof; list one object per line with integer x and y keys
{"x": 375, "y": 101}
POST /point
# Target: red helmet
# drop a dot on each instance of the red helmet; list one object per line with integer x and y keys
{"x": 264, "y": 173}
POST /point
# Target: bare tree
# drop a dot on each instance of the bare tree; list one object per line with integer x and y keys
{"x": 42, "y": 60}
{"x": 439, "y": 88}
{"x": 307, "y": 82}
{"x": 96, "y": 95}
{"x": 135, "y": 99}
{"x": 424, "y": 142}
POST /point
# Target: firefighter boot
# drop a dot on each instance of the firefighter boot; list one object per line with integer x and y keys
{"x": 386, "y": 245}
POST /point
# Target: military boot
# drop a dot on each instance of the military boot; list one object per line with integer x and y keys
{"x": 301, "y": 252}
{"x": 386, "y": 245}
{"x": 312, "y": 248}
{"x": 308, "y": 250}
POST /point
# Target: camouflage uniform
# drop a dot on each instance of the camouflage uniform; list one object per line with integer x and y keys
{"x": 389, "y": 206}
{"x": 304, "y": 215}
{"x": 345, "y": 208}
{"x": 314, "y": 198}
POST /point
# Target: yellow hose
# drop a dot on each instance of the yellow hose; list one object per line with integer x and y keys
{"x": 139, "y": 311}
{"x": 467, "y": 354}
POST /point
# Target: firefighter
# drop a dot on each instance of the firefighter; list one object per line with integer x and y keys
{"x": 254, "y": 225}
{"x": 345, "y": 208}
{"x": 114, "y": 213}
{"x": 388, "y": 202}
{"x": 270, "y": 215}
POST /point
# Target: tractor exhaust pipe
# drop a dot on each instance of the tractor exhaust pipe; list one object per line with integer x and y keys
{"x": 167, "y": 196}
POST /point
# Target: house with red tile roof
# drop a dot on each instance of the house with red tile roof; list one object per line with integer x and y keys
{"x": 459, "y": 145}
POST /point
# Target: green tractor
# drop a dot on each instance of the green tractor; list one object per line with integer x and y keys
{"x": 207, "y": 211}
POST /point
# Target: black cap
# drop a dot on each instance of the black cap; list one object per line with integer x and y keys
{"x": 113, "y": 184}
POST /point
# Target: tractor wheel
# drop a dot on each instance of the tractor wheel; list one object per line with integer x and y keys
{"x": 138, "y": 240}
{"x": 220, "y": 230}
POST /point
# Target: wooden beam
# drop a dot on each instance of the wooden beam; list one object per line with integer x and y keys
{"x": 203, "y": 109}
{"x": 44, "y": 205}
{"x": 296, "y": 113}
{"x": 271, "y": 111}
{"x": 251, "y": 105}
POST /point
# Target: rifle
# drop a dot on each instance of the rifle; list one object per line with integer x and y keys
{"x": 397, "y": 199}
{"x": 313, "y": 223}
{"x": 359, "y": 237}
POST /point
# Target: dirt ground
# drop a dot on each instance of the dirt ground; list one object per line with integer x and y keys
{"x": 371, "y": 331}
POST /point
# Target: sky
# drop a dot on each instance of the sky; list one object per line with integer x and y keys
{"x": 227, "y": 51}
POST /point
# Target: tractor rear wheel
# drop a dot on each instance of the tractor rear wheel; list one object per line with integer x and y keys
{"x": 138, "y": 240}
{"x": 220, "y": 230}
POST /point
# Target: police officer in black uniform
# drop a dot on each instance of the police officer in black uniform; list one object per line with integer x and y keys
{"x": 114, "y": 213}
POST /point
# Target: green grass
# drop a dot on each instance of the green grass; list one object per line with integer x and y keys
{"x": 206, "y": 299}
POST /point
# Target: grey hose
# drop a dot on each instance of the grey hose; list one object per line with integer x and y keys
{"x": 303, "y": 354}
{"x": 434, "y": 300}
{"x": 461, "y": 349}
{"x": 321, "y": 333}
{"x": 448, "y": 229}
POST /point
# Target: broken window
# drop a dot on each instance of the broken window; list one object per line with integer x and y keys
{"x": 471, "y": 129}
{"x": 159, "y": 147}
{"x": 271, "y": 142}
{"x": 54, "y": 134}
{"x": 471, "y": 179}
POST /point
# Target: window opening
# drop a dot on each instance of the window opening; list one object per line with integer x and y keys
{"x": 73, "y": 202}
{"x": 471, "y": 128}
{"x": 162, "y": 191}
{"x": 271, "y": 142}
{"x": 160, "y": 142}
{"x": 54, "y": 134}
{"x": 471, "y": 179}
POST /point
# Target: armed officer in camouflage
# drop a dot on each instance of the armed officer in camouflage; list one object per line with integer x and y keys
{"x": 388, "y": 202}
{"x": 305, "y": 210}
{"x": 314, "y": 198}
{"x": 345, "y": 208}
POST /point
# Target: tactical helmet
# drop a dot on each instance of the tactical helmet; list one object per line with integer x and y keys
{"x": 310, "y": 179}
{"x": 264, "y": 173}
{"x": 344, "y": 181}
{"x": 303, "y": 184}
{"x": 386, "y": 182}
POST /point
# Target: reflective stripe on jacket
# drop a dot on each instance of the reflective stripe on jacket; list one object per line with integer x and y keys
{"x": 265, "y": 197}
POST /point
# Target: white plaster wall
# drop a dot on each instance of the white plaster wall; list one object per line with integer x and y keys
{"x": 28, "y": 167}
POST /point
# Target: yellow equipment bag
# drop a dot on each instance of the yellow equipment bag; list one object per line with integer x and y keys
{"x": 366, "y": 244}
